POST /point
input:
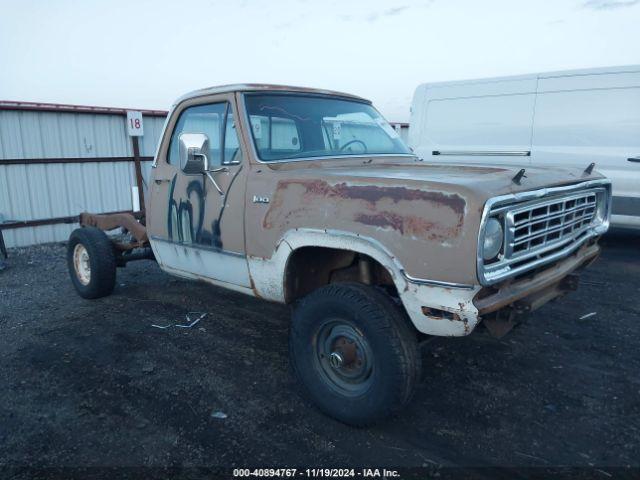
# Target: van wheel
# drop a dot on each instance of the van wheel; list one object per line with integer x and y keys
{"x": 354, "y": 353}
{"x": 91, "y": 262}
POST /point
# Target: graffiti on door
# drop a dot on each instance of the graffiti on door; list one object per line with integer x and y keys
{"x": 186, "y": 218}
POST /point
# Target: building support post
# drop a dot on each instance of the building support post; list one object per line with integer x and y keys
{"x": 3, "y": 252}
{"x": 138, "y": 167}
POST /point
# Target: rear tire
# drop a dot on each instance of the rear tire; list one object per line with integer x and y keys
{"x": 91, "y": 262}
{"x": 354, "y": 352}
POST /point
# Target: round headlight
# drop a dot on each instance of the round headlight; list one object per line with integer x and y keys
{"x": 493, "y": 236}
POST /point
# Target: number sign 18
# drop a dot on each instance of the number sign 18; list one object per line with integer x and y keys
{"x": 134, "y": 123}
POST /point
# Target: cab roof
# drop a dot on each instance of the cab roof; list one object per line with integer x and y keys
{"x": 264, "y": 87}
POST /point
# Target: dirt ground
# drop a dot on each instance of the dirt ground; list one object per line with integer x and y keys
{"x": 92, "y": 383}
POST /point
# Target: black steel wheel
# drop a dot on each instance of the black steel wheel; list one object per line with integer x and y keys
{"x": 344, "y": 357}
{"x": 354, "y": 353}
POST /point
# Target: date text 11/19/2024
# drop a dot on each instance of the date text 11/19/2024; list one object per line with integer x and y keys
{"x": 315, "y": 472}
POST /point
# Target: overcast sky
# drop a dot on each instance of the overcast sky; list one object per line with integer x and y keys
{"x": 146, "y": 53}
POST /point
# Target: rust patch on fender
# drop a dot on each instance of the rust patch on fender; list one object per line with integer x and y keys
{"x": 382, "y": 219}
{"x": 374, "y": 193}
{"x": 379, "y": 206}
{"x": 406, "y": 224}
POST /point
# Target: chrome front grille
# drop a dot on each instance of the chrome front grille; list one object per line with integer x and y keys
{"x": 543, "y": 226}
{"x": 549, "y": 223}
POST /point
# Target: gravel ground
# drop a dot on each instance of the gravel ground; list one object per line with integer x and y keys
{"x": 92, "y": 383}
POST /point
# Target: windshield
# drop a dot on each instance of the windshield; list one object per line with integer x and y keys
{"x": 290, "y": 126}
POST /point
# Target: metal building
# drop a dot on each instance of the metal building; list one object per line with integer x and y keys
{"x": 59, "y": 160}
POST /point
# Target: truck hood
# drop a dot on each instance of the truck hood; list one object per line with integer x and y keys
{"x": 427, "y": 214}
{"x": 482, "y": 181}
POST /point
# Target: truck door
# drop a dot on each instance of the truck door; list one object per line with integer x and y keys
{"x": 196, "y": 219}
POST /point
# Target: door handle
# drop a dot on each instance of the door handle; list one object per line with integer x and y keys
{"x": 161, "y": 180}
{"x": 634, "y": 159}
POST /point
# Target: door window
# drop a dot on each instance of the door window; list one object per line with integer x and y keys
{"x": 207, "y": 119}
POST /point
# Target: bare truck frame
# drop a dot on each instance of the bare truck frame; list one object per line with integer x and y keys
{"x": 310, "y": 198}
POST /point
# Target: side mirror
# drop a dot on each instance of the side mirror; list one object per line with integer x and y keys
{"x": 194, "y": 148}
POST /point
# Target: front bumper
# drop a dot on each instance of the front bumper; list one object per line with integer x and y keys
{"x": 535, "y": 290}
{"x": 447, "y": 311}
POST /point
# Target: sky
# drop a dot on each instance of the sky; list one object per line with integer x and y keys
{"x": 144, "y": 54}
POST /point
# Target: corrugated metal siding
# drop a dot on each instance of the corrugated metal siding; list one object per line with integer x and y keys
{"x": 29, "y": 192}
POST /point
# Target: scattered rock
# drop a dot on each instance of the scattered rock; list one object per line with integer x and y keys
{"x": 142, "y": 424}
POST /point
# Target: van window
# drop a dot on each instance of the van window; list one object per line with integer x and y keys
{"x": 589, "y": 118}
{"x": 491, "y": 123}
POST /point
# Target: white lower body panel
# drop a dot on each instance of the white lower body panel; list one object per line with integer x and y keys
{"x": 219, "y": 267}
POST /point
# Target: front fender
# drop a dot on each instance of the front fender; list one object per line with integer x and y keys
{"x": 268, "y": 274}
{"x": 268, "y": 280}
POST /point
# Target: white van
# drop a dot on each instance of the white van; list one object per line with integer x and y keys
{"x": 570, "y": 118}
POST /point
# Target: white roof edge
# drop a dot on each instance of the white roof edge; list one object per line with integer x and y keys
{"x": 529, "y": 76}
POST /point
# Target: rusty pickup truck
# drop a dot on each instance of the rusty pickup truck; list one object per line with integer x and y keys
{"x": 309, "y": 197}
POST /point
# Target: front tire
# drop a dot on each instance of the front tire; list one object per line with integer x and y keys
{"x": 91, "y": 262}
{"x": 354, "y": 353}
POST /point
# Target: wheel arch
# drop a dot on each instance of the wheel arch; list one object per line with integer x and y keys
{"x": 311, "y": 267}
{"x": 274, "y": 278}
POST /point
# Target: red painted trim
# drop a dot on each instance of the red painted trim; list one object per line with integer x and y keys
{"x": 35, "y": 161}
{"x": 61, "y": 107}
